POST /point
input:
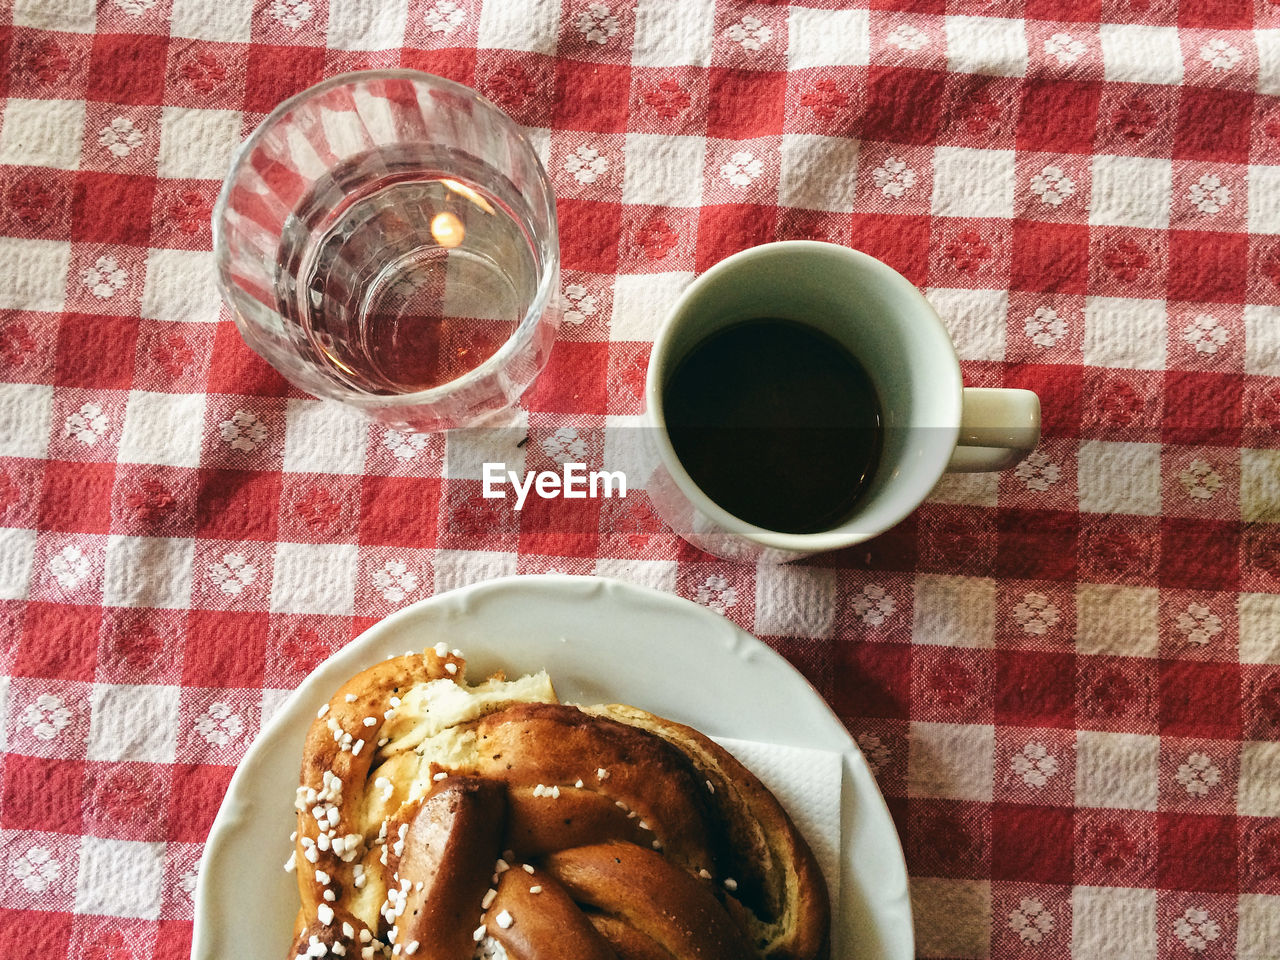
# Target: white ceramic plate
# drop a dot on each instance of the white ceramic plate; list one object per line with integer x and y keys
{"x": 602, "y": 641}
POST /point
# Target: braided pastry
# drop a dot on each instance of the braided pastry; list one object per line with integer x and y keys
{"x": 447, "y": 821}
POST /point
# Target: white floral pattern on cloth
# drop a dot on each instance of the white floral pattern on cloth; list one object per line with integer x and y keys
{"x": 580, "y": 304}
{"x": 36, "y": 869}
{"x": 1035, "y": 764}
{"x": 444, "y": 16}
{"x": 894, "y": 177}
{"x": 874, "y": 604}
{"x": 1038, "y": 472}
{"x": 717, "y": 593}
{"x": 120, "y": 136}
{"x": 1199, "y": 624}
{"x": 47, "y": 716}
{"x": 292, "y": 13}
{"x": 1031, "y": 921}
{"x": 597, "y": 23}
{"x": 1198, "y": 774}
{"x": 741, "y": 168}
{"x": 874, "y": 751}
{"x": 565, "y": 446}
{"x": 752, "y": 32}
{"x": 219, "y": 725}
{"x": 586, "y": 164}
{"x": 232, "y": 573}
{"x": 1206, "y": 333}
{"x": 135, "y": 8}
{"x": 1195, "y": 929}
{"x": 187, "y": 882}
{"x": 1209, "y": 194}
{"x": 1052, "y": 186}
{"x": 1200, "y": 481}
{"x": 1045, "y": 327}
{"x": 908, "y": 38}
{"x": 243, "y": 432}
{"x": 1064, "y": 48}
{"x": 88, "y": 424}
{"x": 1219, "y": 54}
{"x": 70, "y": 566}
{"x": 395, "y": 580}
{"x": 404, "y": 445}
{"x": 1036, "y": 614}
{"x": 105, "y": 278}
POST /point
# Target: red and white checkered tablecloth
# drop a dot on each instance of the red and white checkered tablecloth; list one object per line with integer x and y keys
{"x": 1067, "y": 676}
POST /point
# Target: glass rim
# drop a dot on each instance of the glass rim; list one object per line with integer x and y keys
{"x": 549, "y": 267}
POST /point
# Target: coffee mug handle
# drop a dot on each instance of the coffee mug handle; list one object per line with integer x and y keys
{"x": 998, "y": 428}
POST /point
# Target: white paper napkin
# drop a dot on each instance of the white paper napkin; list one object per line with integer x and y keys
{"x": 808, "y": 785}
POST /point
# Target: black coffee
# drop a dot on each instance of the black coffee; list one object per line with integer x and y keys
{"x": 777, "y": 423}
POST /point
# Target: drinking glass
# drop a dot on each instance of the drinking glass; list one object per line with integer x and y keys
{"x": 388, "y": 239}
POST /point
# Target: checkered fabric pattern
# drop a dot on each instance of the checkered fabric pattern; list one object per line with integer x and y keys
{"x": 1066, "y": 676}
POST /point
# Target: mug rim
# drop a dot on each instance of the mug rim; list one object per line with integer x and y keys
{"x": 822, "y": 540}
{"x": 544, "y": 295}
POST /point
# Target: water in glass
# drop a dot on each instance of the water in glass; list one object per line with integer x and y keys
{"x": 404, "y": 277}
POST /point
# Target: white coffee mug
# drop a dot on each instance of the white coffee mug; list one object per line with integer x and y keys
{"x": 932, "y": 422}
